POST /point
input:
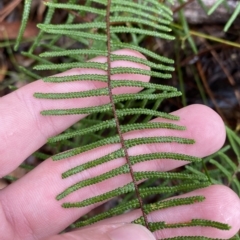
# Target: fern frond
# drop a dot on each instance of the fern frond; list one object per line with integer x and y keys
{"x": 123, "y": 113}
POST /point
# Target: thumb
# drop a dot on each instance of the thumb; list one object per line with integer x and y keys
{"x": 108, "y": 232}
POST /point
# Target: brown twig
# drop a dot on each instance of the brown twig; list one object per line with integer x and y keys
{"x": 225, "y": 70}
{"x": 8, "y": 9}
{"x": 208, "y": 90}
{"x": 182, "y": 6}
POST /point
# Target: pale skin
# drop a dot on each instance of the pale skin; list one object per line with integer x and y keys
{"x": 29, "y": 209}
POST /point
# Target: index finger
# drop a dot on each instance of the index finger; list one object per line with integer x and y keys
{"x": 23, "y": 128}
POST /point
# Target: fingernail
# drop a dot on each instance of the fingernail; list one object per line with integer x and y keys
{"x": 131, "y": 232}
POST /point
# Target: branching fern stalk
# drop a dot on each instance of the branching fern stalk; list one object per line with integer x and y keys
{"x": 112, "y": 20}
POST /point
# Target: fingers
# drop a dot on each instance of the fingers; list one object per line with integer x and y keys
{"x": 41, "y": 186}
{"x": 108, "y": 232}
{"x": 221, "y": 204}
{"x": 23, "y": 128}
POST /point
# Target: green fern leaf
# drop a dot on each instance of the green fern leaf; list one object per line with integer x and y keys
{"x": 117, "y": 117}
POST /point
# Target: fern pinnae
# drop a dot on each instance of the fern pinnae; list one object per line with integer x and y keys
{"x": 150, "y": 125}
{"x": 100, "y": 198}
{"x": 163, "y": 155}
{"x": 149, "y": 208}
{"x": 120, "y": 70}
{"x": 76, "y": 151}
{"x": 84, "y": 183}
{"x": 73, "y": 78}
{"x": 144, "y": 51}
{"x": 133, "y": 204}
{"x": 167, "y": 175}
{"x": 100, "y": 126}
{"x": 111, "y": 156}
{"x": 173, "y": 189}
{"x": 148, "y": 112}
{"x": 141, "y": 96}
{"x": 70, "y": 95}
{"x": 69, "y": 52}
{"x": 193, "y": 223}
{"x": 122, "y": 19}
{"x": 110, "y": 213}
{"x": 110, "y": 124}
{"x": 192, "y": 238}
{"x": 77, "y": 111}
{"x": 76, "y": 7}
{"x": 76, "y": 26}
{"x": 134, "y": 159}
{"x": 122, "y": 29}
{"x": 69, "y": 33}
{"x": 137, "y": 175}
{"x": 140, "y": 7}
{"x": 142, "y": 14}
{"x": 142, "y": 61}
{"x": 147, "y": 85}
{"x": 61, "y": 66}
{"x": 149, "y": 140}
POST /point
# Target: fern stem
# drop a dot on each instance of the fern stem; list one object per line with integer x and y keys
{"x": 108, "y": 25}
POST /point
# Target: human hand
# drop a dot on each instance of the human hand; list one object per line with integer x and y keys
{"x": 28, "y": 207}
